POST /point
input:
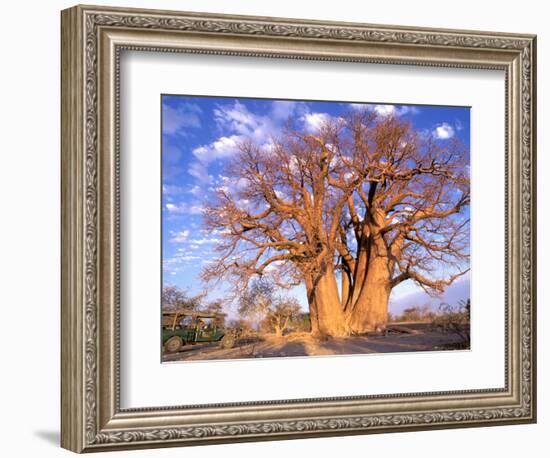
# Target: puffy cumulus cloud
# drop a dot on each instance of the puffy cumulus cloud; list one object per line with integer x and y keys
{"x": 394, "y": 110}
{"x": 238, "y": 124}
{"x": 443, "y": 131}
{"x": 221, "y": 148}
{"x": 177, "y": 119}
{"x": 238, "y": 119}
{"x": 385, "y": 110}
{"x": 313, "y": 121}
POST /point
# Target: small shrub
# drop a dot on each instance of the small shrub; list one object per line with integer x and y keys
{"x": 454, "y": 319}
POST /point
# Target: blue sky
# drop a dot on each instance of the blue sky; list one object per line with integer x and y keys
{"x": 199, "y": 135}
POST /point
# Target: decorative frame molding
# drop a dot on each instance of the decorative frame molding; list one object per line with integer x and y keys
{"x": 92, "y": 39}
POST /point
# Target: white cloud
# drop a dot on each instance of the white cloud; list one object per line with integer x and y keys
{"x": 313, "y": 121}
{"x": 283, "y": 109}
{"x": 169, "y": 189}
{"x": 184, "y": 208}
{"x": 203, "y": 241}
{"x": 443, "y": 131}
{"x": 393, "y": 110}
{"x": 221, "y": 148}
{"x": 238, "y": 124}
{"x": 176, "y": 120}
{"x": 175, "y": 208}
{"x": 358, "y": 106}
{"x": 385, "y": 110}
{"x": 237, "y": 118}
{"x": 179, "y": 237}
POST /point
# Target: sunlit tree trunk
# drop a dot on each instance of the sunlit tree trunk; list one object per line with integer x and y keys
{"x": 370, "y": 311}
{"x": 330, "y": 315}
{"x": 325, "y": 309}
{"x": 313, "y": 319}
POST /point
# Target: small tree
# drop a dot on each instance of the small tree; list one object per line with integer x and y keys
{"x": 177, "y": 298}
{"x": 273, "y": 312}
{"x": 282, "y": 312}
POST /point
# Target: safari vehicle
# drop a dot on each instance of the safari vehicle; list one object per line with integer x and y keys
{"x": 180, "y": 327}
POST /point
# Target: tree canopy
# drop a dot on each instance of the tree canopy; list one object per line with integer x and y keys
{"x": 364, "y": 198}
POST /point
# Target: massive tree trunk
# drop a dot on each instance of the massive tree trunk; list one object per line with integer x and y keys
{"x": 360, "y": 271}
{"x": 370, "y": 311}
{"x": 326, "y": 313}
{"x": 346, "y": 288}
{"x": 313, "y": 320}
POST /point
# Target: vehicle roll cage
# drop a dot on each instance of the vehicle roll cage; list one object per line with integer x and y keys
{"x": 175, "y": 316}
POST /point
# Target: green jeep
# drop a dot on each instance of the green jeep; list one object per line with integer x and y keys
{"x": 182, "y": 327}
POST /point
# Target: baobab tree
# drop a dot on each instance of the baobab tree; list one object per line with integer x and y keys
{"x": 364, "y": 199}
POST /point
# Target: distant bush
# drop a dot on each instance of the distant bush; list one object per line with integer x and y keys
{"x": 454, "y": 319}
{"x": 419, "y": 313}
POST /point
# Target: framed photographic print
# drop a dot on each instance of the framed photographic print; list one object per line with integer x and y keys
{"x": 277, "y": 228}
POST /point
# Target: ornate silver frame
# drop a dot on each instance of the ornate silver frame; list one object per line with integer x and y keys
{"x": 92, "y": 39}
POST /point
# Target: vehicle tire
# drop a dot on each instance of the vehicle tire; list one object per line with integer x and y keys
{"x": 173, "y": 344}
{"x": 228, "y": 341}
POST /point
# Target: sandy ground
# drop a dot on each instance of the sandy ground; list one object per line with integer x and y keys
{"x": 401, "y": 338}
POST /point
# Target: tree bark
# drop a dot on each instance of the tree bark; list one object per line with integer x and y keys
{"x": 330, "y": 315}
{"x": 313, "y": 319}
{"x": 346, "y": 288}
{"x": 360, "y": 271}
{"x": 370, "y": 311}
